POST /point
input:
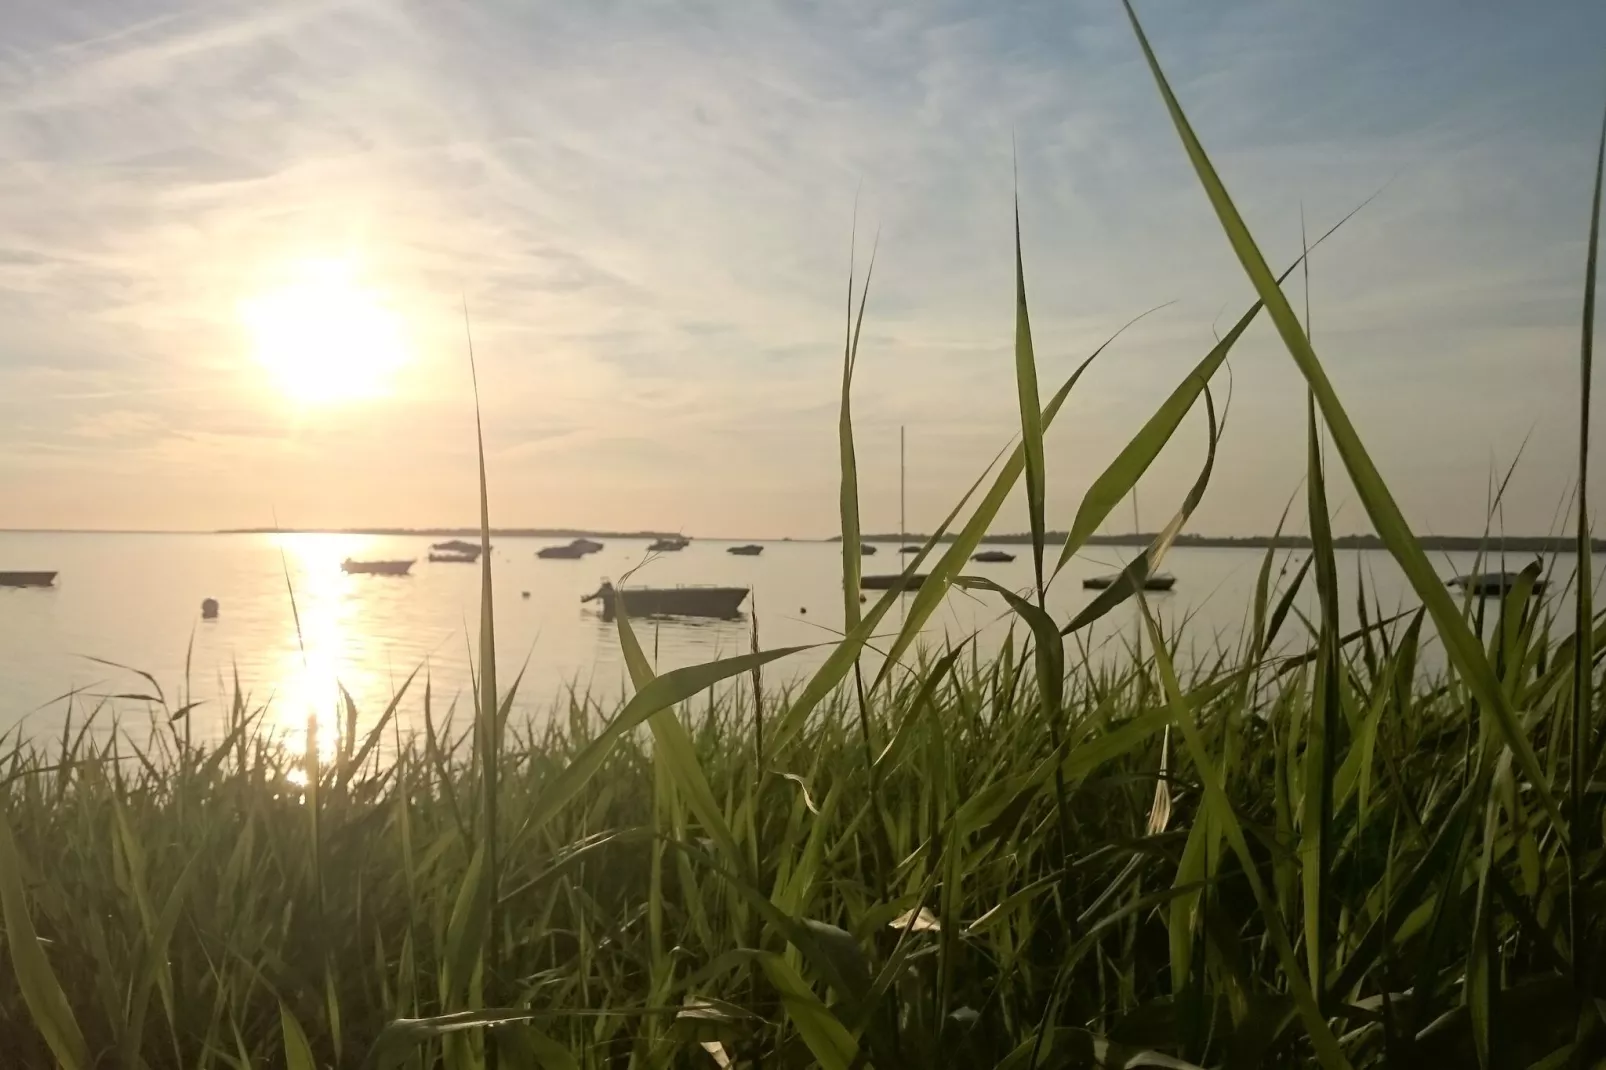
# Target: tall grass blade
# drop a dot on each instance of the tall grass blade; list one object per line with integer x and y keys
{"x": 1031, "y": 417}
{"x": 42, "y": 992}
{"x": 1582, "y": 758}
{"x": 852, "y": 557}
{"x": 1221, "y": 811}
{"x": 1461, "y": 645}
{"x": 487, "y": 720}
{"x": 1132, "y": 577}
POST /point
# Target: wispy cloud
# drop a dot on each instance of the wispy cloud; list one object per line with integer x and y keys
{"x": 646, "y": 208}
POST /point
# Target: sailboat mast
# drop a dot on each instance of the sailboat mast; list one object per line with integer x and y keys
{"x": 903, "y": 521}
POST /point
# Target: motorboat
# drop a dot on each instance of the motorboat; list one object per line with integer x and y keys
{"x": 376, "y": 568}
{"x": 1493, "y": 584}
{"x": 27, "y": 579}
{"x": 691, "y": 601}
{"x": 1160, "y": 581}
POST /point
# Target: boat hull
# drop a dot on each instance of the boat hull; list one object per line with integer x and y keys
{"x": 745, "y": 551}
{"x": 990, "y": 556}
{"x": 563, "y": 553}
{"x": 720, "y": 602}
{"x": 888, "y": 582}
{"x": 1494, "y": 584}
{"x": 455, "y": 559}
{"x": 1153, "y": 583}
{"x": 27, "y": 579}
{"x": 376, "y": 568}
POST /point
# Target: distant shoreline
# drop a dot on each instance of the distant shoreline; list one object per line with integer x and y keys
{"x": 1525, "y": 544}
{"x": 1537, "y": 544}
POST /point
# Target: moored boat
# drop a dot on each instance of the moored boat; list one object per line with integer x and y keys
{"x": 698, "y": 601}
{"x": 376, "y": 568}
{"x": 1493, "y": 584}
{"x": 1160, "y": 581}
{"x": 575, "y": 548}
{"x": 865, "y": 549}
{"x": 909, "y": 549}
{"x": 987, "y": 556}
{"x": 752, "y": 549}
{"x": 457, "y": 546}
{"x": 668, "y": 546}
{"x": 453, "y": 558}
{"x": 888, "y": 581}
{"x": 27, "y": 579}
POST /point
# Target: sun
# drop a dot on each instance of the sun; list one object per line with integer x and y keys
{"x": 325, "y": 336}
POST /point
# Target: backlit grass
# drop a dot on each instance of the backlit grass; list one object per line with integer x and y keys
{"x": 932, "y": 859}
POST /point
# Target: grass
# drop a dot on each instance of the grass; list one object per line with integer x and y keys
{"x": 1031, "y": 860}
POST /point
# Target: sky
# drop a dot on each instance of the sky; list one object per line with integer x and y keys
{"x": 237, "y": 241}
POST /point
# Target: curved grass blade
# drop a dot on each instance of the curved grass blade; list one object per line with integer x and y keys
{"x": 1226, "y": 820}
{"x": 1582, "y": 759}
{"x": 1461, "y": 645}
{"x": 676, "y": 749}
{"x": 1123, "y": 473}
{"x": 1031, "y": 416}
{"x": 1144, "y": 565}
{"x": 674, "y": 686}
{"x": 952, "y": 562}
{"x": 848, "y": 502}
{"x": 41, "y": 991}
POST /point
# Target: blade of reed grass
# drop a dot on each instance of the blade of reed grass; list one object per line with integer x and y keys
{"x": 1316, "y": 826}
{"x": 848, "y": 503}
{"x": 674, "y": 686}
{"x": 953, "y": 560}
{"x": 1140, "y": 568}
{"x": 680, "y": 756}
{"x": 1221, "y": 811}
{"x": 487, "y": 719}
{"x": 1461, "y": 645}
{"x": 297, "y": 1052}
{"x": 41, "y": 990}
{"x": 1031, "y": 416}
{"x": 1123, "y": 473}
{"x": 1581, "y": 758}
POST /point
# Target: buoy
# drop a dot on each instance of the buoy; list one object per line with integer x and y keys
{"x": 209, "y": 609}
{"x": 526, "y": 594}
{"x": 803, "y": 610}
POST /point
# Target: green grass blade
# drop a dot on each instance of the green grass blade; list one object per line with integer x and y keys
{"x": 41, "y": 991}
{"x": 1316, "y": 826}
{"x": 675, "y": 747}
{"x": 297, "y": 1052}
{"x": 1123, "y": 473}
{"x": 674, "y": 686}
{"x": 1031, "y": 416}
{"x": 848, "y": 497}
{"x": 1461, "y": 645}
{"x": 1140, "y": 568}
{"x": 1582, "y": 758}
{"x": 1221, "y": 811}
{"x": 487, "y": 720}
{"x": 953, "y": 560}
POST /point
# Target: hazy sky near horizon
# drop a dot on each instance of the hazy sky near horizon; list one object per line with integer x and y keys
{"x": 235, "y": 239}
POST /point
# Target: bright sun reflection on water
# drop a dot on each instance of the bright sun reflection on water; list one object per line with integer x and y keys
{"x": 322, "y": 647}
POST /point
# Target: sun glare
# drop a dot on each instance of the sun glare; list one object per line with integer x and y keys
{"x": 326, "y": 337}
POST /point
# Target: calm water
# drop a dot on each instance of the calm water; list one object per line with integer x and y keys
{"x": 135, "y": 600}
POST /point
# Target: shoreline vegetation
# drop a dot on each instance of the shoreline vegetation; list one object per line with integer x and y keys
{"x": 1034, "y": 861}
